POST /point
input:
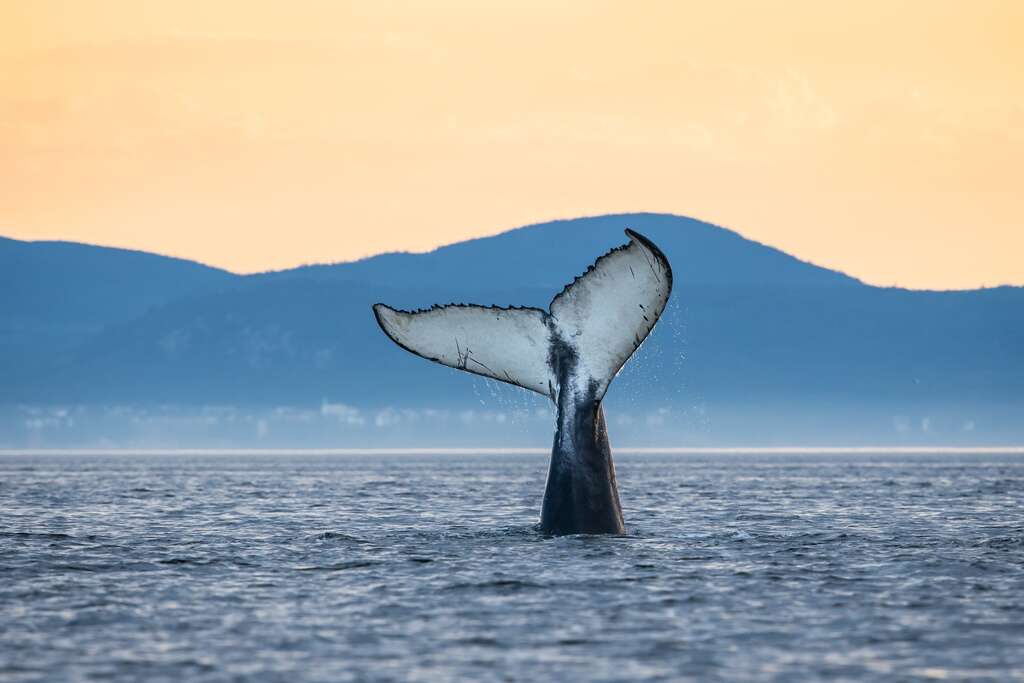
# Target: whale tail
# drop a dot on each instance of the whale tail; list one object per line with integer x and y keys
{"x": 593, "y": 325}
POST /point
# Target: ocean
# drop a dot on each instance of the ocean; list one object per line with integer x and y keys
{"x": 427, "y": 567}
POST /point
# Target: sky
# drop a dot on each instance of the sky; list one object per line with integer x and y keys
{"x": 883, "y": 139}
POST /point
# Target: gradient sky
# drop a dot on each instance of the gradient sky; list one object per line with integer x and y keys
{"x": 884, "y": 139}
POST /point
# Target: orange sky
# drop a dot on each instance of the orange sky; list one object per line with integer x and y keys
{"x": 884, "y": 139}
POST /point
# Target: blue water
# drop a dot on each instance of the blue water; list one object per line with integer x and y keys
{"x": 406, "y": 568}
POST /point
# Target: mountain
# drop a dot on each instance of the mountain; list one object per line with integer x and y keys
{"x": 547, "y": 254}
{"x": 56, "y": 295}
{"x": 70, "y": 282}
{"x": 755, "y": 346}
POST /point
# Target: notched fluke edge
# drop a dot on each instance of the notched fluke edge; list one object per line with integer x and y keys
{"x": 437, "y": 307}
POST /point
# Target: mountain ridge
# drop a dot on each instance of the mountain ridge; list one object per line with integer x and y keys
{"x": 590, "y": 237}
{"x": 317, "y": 266}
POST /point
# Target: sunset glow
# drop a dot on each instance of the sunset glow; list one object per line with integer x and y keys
{"x": 882, "y": 139}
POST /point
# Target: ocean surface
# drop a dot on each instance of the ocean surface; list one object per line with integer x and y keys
{"x": 785, "y": 567}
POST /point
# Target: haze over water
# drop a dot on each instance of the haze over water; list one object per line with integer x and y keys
{"x": 427, "y": 567}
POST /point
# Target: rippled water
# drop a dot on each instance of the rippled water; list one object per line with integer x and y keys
{"x": 343, "y": 568}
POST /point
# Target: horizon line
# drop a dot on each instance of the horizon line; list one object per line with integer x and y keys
{"x": 646, "y": 450}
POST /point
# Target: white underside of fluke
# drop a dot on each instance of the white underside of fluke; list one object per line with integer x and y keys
{"x": 597, "y": 321}
{"x": 508, "y": 344}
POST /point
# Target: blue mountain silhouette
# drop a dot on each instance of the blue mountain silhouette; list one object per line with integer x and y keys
{"x": 56, "y": 295}
{"x": 549, "y": 254}
{"x": 748, "y": 327}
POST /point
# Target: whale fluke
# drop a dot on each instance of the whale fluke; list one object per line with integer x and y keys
{"x": 603, "y": 315}
{"x": 570, "y": 353}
